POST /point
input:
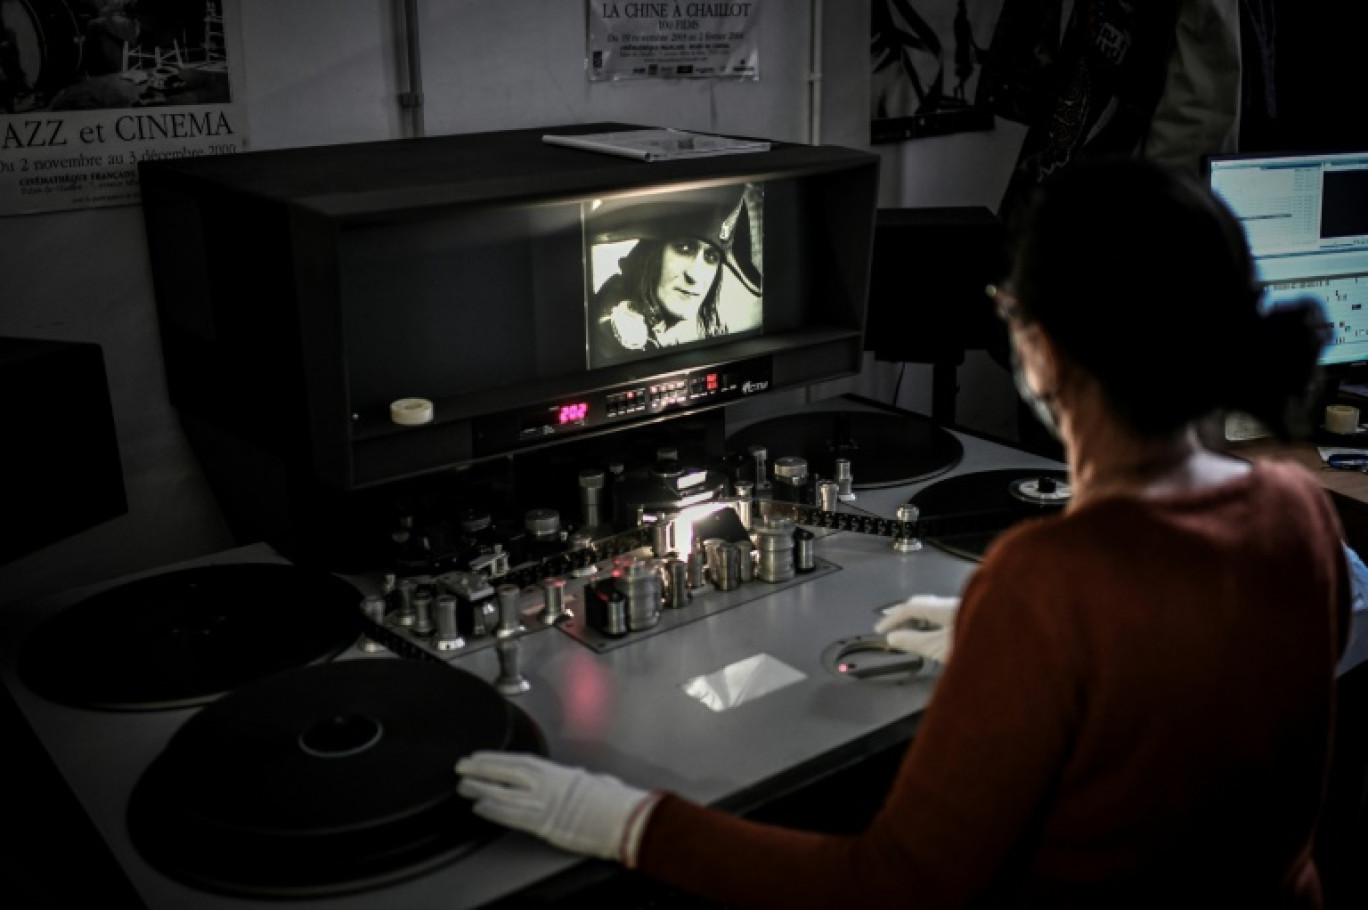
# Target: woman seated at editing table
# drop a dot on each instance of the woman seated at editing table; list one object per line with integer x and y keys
{"x": 1135, "y": 708}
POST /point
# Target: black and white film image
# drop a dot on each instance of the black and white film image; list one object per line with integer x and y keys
{"x": 673, "y": 269}
{"x": 72, "y": 55}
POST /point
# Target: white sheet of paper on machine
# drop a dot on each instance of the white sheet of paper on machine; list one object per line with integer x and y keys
{"x": 658, "y": 144}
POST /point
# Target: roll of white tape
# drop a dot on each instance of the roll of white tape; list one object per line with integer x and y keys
{"x": 411, "y": 412}
{"x": 1342, "y": 419}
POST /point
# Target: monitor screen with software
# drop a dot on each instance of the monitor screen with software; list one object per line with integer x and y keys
{"x": 1306, "y": 218}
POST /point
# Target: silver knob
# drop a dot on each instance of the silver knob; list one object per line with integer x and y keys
{"x": 591, "y": 484}
{"x": 760, "y": 454}
{"x": 803, "y": 559}
{"x": 640, "y": 584}
{"x": 827, "y": 495}
{"x": 907, "y": 542}
{"x": 677, "y": 584}
{"x": 775, "y": 545}
{"x": 510, "y": 680}
{"x": 484, "y": 619}
{"x": 554, "y": 591}
{"x": 744, "y": 498}
{"x": 790, "y": 478}
{"x": 792, "y": 468}
{"x": 403, "y": 614}
{"x": 543, "y": 524}
{"x": 473, "y": 521}
{"x": 712, "y": 548}
{"x": 373, "y": 606}
{"x": 509, "y": 621}
{"x": 694, "y": 573}
{"x": 422, "y": 610}
{"x": 845, "y": 481}
{"x": 728, "y": 574}
{"x": 448, "y": 635}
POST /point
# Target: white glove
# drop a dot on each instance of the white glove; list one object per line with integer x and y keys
{"x": 569, "y": 807}
{"x": 922, "y": 624}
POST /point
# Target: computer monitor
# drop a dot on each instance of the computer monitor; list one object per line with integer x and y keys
{"x": 1306, "y": 218}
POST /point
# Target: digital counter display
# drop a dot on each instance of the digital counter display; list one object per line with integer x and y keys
{"x": 549, "y": 419}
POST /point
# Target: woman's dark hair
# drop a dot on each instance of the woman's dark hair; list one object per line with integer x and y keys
{"x": 1143, "y": 277}
{"x": 640, "y": 270}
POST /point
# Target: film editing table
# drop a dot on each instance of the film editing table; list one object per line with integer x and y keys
{"x": 733, "y": 701}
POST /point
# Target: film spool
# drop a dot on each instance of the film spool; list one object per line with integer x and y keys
{"x": 1342, "y": 419}
{"x": 411, "y": 412}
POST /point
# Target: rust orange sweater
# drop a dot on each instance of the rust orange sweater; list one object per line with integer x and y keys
{"x": 1136, "y": 712}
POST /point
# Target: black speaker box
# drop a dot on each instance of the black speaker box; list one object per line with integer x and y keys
{"x": 929, "y": 270}
{"x": 60, "y": 471}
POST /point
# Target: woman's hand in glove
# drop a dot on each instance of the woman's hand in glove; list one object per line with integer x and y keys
{"x": 923, "y": 624}
{"x": 569, "y": 807}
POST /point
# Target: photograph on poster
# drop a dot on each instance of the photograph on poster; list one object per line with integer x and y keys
{"x": 71, "y": 55}
{"x": 926, "y": 57}
{"x": 673, "y": 269}
{"x": 90, "y": 89}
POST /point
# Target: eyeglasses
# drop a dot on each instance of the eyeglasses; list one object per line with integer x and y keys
{"x": 1006, "y": 303}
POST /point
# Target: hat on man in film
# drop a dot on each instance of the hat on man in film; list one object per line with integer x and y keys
{"x": 717, "y": 216}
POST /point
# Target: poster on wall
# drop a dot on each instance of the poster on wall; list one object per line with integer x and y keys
{"x": 89, "y": 88}
{"x": 673, "y": 40}
{"x": 926, "y": 57}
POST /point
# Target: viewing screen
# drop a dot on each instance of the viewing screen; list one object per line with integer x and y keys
{"x": 1306, "y": 219}
{"x": 466, "y": 302}
{"x": 672, "y": 269}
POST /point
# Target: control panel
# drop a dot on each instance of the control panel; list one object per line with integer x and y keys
{"x": 628, "y": 402}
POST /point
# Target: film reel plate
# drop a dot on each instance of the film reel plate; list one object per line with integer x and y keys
{"x": 184, "y": 638}
{"x": 1002, "y": 497}
{"x": 884, "y": 449}
{"x": 324, "y": 780}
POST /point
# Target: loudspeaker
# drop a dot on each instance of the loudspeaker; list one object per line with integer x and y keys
{"x": 929, "y": 270}
{"x": 60, "y": 472}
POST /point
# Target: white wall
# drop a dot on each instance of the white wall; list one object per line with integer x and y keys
{"x": 319, "y": 73}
